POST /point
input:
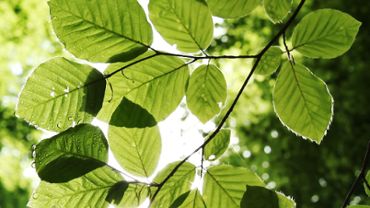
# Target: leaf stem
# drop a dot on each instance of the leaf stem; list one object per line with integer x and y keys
{"x": 360, "y": 177}
{"x": 226, "y": 116}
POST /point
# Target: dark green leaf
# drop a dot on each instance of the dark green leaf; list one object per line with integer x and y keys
{"x": 260, "y": 197}
{"x": 218, "y": 145}
{"x": 206, "y": 91}
{"x": 325, "y": 33}
{"x": 186, "y": 23}
{"x": 101, "y": 30}
{"x": 232, "y": 8}
{"x": 303, "y": 102}
{"x": 60, "y": 93}
{"x": 71, "y": 154}
{"x": 224, "y": 186}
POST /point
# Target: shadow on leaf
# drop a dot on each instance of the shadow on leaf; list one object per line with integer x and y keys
{"x": 131, "y": 115}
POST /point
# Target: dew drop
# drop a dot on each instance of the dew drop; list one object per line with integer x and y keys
{"x": 35, "y": 195}
{"x": 66, "y": 90}
{"x": 33, "y": 164}
{"x": 52, "y": 94}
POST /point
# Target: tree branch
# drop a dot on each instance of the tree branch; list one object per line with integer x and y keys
{"x": 212, "y": 136}
{"x": 361, "y": 176}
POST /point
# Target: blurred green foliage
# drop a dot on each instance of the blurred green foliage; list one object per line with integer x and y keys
{"x": 25, "y": 40}
{"x": 315, "y": 176}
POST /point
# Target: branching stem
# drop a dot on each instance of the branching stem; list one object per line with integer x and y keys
{"x": 359, "y": 178}
{"x": 230, "y": 110}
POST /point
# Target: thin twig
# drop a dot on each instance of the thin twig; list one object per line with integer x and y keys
{"x": 362, "y": 175}
{"x": 258, "y": 59}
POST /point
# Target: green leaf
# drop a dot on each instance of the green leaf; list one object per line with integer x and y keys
{"x": 206, "y": 90}
{"x": 325, "y": 33}
{"x": 90, "y": 190}
{"x": 359, "y": 206}
{"x": 303, "y": 102}
{"x": 186, "y": 23}
{"x": 177, "y": 185}
{"x": 101, "y": 30}
{"x": 260, "y": 197}
{"x": 193, "y": 200}
{"x": 224, "y": 186}
{"x": 367, "y": 191}
{"x": 215, "y": 148}
{"x": 71, "y": 154}
{"x": 277, "y": 10}
{"x": 156, "y": 85}
{"x": 136, "y": 149}
{"x": 134, "y": 196}
{"x": 60, "y": 93}
{"x": 232, "y": 8}
{"x": 270, "y": 61}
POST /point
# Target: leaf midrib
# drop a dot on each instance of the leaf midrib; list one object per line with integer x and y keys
{"x": 222, "y": 188}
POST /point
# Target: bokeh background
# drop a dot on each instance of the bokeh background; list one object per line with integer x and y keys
{"x": 315, "y": 176}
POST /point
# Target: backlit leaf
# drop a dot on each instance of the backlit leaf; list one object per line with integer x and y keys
{"x": 186, "y": 23}
{"x": 277, "y": 10}
{"x": 303, "y": 102}
{"x": 218, "y": 145}
{"x": 71, "y": 154}
{"x": 206, "y": 91}
{"x": 155, "y": 87}
{"x": 224, "y": 186}
{"x": 177, "y": 185}
{"x": 101, "y": 30}
{"x": 325, "y": 33}
{"x": 270, "y": 61}
{"x": 232, "y": 8}
{"x": 136, "y": 149}
{"x": 90, "y": 190}
{"x": 60, "y": 93}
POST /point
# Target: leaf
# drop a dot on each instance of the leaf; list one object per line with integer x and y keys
{"x": 285, "y": 201}
{"x": 90, "y": 190}
{"x": 270, "y": 61}
{"x": 215, "y": 148}
{"x": 156, "y": 85}
{"x": 224, "y": 185}
{"x": 366, "y": 187}
{"x": 134, "y": 196}
{"x": 359, "y": 206}
{"x": 186, "y": 23}
{"x": 101, "y": 30}
{"x": 232, "y": 8}
{"x": 177, "y": 185}
{"x": 206, "y": 90}
{"x": 71, "y": 154}
{"x": 277, "y": 10}
{"x": 260, "y": 197}
{"x": 193, "y": 200}
{"x": 60, "y": 93}
{"x": 136, "y": 149}
{"x": 303, "y": 102}
{"x": 325, "y": 33}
